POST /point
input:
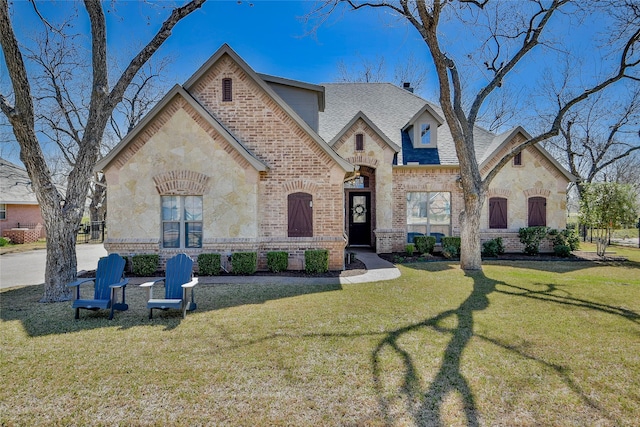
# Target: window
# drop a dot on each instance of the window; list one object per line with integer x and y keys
{"x": 3, "y": 211}
{"x": 517, "y": 159}
{"x": 537, "y": 212}
{"x": 357, "y": 182}
{"x": 497, "y": 212}
{"x": 425, "y": 134}
{"x": 181, "y": 221}
{"x": 300, "y": 215}
{"x": 429, "y": 213}
{"x": 359, "y": 142}
{"x": 227, "y": 93}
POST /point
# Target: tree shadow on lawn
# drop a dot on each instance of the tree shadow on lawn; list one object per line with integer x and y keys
{"x": 425, "y": 404}
{"x": 38, "y": 319}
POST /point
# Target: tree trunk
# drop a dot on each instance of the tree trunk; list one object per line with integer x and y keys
{"x": 62, "y": 213}
{"x": 61, "y": 257}
{"x": 470, "y": 248}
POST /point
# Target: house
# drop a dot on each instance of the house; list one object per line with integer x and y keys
{"x": 234, "y": 160}
{"x": 20, "y": 217}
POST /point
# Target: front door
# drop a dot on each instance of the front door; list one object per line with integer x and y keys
{"x": 360, "y": 219}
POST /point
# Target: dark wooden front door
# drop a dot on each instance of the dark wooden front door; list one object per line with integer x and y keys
{"x": 359, "y": 219}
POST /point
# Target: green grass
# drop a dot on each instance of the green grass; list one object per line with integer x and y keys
{"x": 524, "y": 343}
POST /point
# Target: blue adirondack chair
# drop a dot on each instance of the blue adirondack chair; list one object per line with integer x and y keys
{"x": 177, "y": 282}
{"x": 109, "y": 278}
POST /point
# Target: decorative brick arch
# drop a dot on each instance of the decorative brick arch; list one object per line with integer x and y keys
{"x": 499, "y": 192}
{"x": 540, "y": 192}
{"x": 181, "y": 182}
{"x": 363, "y": 160}
{"x": 301, "y": 186}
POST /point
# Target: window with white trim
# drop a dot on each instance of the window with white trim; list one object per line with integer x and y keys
{"x": 429, "y": 213}
{"x": 3, "y": 211}
{"x": 181, "y": 221}
{"x": 425, "y": 134}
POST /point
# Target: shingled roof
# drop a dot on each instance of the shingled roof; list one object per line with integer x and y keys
{"x": 15, "y": 185}
{"x": 392, "y": 109}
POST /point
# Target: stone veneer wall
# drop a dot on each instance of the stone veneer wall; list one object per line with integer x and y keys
{"x": 537, "y": 176}
{"x": 244, "y": 210}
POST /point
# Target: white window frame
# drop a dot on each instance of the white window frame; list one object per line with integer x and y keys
{"x": 419, "y": 206}
{"x": 180, "y": 217}
{"x": 3, "y": 211}
{"x": 425, "y": 120}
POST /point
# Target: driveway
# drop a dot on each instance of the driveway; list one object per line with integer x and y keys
{"x": 27, "y": 268}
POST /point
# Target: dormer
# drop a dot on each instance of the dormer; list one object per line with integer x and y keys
{"x": 425, "y": 128}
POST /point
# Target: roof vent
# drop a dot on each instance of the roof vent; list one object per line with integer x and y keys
{"x": 407, "y": 86}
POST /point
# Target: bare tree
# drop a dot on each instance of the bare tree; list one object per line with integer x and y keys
{"x": 410, "y": 70}
{"x": 597, "y": 141}
{"x": 500, "y": 35}
{"x": 145, "y": 90}
{"x": 364, "y": 71}
{"x": 62, "y": 213}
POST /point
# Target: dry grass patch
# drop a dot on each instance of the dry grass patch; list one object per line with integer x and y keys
{"x": 522, "y": 344}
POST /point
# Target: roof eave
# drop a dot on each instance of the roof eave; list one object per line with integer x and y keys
{"x": 426, "y": 109}
{"x": 521, "y": 130}
{"x": 175, "y": 91}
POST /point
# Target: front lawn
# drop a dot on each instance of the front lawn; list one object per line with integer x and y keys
{"x": 524, "y": 343}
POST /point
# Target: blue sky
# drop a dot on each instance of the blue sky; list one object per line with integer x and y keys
{"x": 271, "y": 38}
{"x": 269, "y": 35}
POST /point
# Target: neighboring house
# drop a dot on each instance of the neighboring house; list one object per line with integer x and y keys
{"x": 19, "y": 209}
{"x": 234, "y": 161}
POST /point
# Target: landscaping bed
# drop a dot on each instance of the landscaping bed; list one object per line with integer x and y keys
{"x": 355, "y": 268}
{"x": 403, "y": 257}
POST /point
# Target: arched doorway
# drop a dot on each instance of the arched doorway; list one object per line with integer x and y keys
{"x": 360, "y": 218}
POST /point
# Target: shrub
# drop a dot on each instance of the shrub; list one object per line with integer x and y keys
{"x": 493, "y": 247}
{"x": 409, "y": 248}
{"x": 4, "y": 241}
{"x": 562, "y": 250}
{"x": 531, "y": 238}
{"x": 145, "y": 264}
{"x": 244, "y": 262}
{"x": 568, "y": 237}
{"x": 316, "y": 261}
{"x": 209, "y": 264}
{"x": 424, "y": 244}
{"x": 450, "y": 251}
{"x": 451, "y": 242}
{"x": 277, "y": 261}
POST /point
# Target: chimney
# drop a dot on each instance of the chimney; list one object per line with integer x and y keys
{"x": 407, "y": 86}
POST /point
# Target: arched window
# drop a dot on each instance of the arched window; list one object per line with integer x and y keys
{"x": 300, "y": 215}
{"x": 537, "y": 212}
{"x": 497, "y": 212}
